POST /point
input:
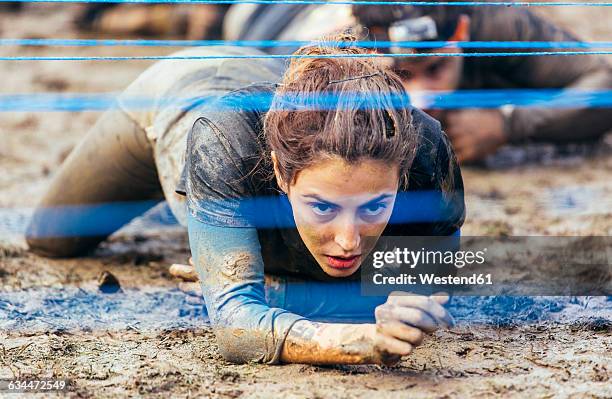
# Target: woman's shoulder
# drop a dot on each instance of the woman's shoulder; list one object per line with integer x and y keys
{"x": 433, "y": 201}
{"x": 434, "y": 156}
{"x": 225, "y": 166}
{"x": 235, "y": 117}
{"x": 428, "y": 128}
{"x": 228, "y": 132}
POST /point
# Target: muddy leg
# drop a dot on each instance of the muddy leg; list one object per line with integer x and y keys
{"x": 107, "y": 180}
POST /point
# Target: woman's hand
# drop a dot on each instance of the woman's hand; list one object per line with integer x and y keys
{"x": 402, "y": 320}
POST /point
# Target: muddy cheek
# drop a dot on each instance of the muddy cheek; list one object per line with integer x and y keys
{"x": 314, "y": 238}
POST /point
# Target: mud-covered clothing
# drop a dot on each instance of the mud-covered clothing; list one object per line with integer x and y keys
{"x": 548, "y": 72}
{"x": 134, "y": 157}
{"x": 557, "y": 125}
{"x": 180, "y": 89}
{"x": 230, "y": 190}
{"x": 229, "y": 185}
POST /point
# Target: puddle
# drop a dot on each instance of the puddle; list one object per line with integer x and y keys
{"x": 70, "y": 308}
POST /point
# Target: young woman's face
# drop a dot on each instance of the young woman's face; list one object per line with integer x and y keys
{"x": 341, "y": 210}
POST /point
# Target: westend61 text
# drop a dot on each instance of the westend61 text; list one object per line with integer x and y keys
{"x": 412, "y": 258}
{"x": 432, "y": 279}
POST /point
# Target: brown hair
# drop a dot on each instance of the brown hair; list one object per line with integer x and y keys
{"x": 350, "y": 107}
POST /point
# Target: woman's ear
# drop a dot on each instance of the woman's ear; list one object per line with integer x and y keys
{"x": 462, "y": 32}
{"x": 279, "y": 179}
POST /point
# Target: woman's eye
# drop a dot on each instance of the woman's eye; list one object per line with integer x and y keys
{"x": 322, "y": 209}
{"x": 374, "y": 209}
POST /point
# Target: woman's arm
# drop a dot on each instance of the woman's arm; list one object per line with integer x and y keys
{"x": 230, "y": 267}
{"x": 400, "y": 325}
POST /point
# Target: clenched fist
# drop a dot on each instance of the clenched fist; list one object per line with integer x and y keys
{"x": 402, "y": 321}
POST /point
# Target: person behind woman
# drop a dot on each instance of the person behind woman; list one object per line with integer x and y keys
{"x": 299, "y": 180}
{"x": 474, "y": 132}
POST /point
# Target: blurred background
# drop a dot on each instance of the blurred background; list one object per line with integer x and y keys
{"x": 520, "y": 190}
{"x": 534, "y": 189}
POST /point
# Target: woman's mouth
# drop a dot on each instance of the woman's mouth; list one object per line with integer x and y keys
{"x": 342, "y": 262}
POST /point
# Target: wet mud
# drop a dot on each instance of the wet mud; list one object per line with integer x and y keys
{"x": 148, "y": 339}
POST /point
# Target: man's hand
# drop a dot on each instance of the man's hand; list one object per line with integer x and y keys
{"x": 474, "y": 133}
{"x": 190, "y": 284}
{"x": 402, "y": 320}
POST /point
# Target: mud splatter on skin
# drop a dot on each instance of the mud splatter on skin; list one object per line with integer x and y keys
{"x": 315, "y": 343}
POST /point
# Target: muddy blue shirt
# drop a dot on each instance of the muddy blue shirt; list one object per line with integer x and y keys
{"x": 240, "y": 226}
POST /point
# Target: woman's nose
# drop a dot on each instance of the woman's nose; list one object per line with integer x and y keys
{"x": 347, "y": 237}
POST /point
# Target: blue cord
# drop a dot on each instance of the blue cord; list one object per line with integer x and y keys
{"x": 546, "y": 98}
{"x": 284, "y": 56}
{"x": 296, "y": 43}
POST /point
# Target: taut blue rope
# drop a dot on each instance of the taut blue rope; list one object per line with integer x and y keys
{"x": 298, "y": 43}
{"x": 284, "y": 56}
{"x": 546, "y": 98}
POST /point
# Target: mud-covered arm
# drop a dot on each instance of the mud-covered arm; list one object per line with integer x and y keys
{"x": 225, "y": 244}
{"x": 230, "y": 268}
{"x": 592, "y": 72}
{"x": 562, "y": 125}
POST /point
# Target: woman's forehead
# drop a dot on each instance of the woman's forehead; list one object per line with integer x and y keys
{"x": 337, "y": 178}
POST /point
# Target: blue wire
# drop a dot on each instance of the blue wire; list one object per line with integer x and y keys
{"x": 296, "y": 43}
{"x": 547, "y": 98}
{"x": 365, "y": 2}
{"x": 285, "y": 56}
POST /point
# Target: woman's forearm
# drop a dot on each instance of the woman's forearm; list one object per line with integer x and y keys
{"x": 331, "y": 343}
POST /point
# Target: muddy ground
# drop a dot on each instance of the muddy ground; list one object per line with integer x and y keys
{"x": 151, "y": 340}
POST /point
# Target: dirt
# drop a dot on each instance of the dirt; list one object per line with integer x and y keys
{"x": 149, "y": 339}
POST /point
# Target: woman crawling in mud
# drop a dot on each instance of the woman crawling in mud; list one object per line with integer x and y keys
{"x": 274, "y": 186}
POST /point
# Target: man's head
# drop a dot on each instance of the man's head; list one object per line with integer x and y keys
{"x": 419, "y": 24}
